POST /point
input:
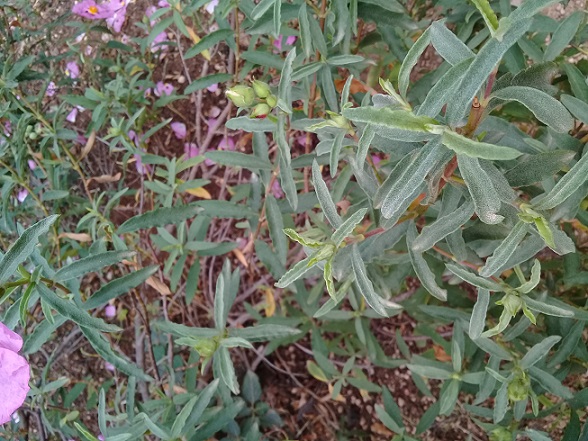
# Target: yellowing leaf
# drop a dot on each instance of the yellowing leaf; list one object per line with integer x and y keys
{"x": 316, "y": 371}
{"x": 241, "y": 257}
{"x": 340, "y": 398}
{"x": 199, "y": 192}
{"x": 270, "y": 303}
{"x": 196, "y": 39}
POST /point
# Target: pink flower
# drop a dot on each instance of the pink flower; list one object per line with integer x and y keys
{"x": 226, "y": 144}
{"x": 376, "y": 159}
{"x": 118, "y": 18}
{"x": 163, "y": 4}
{"x": 211, "y": 6}
{"x": 179, "y": 129}
{"x": 162, "y": 89}
{"x": 190, "y": 150}
{"x": 71, "y": 116}
{"x": 14, "y": 374}
{"x": 32, "y": 164}
{"x": 157, "y": 44}
{"x": 110, "y": 311}
{"x": 51, "y": 89}
{"x": 22, "y": 195}
{"x": 277, "y": 190}
{"x": 90, "y": 9}
{"x": 290, "y": 40}
{"x": 72, "y": 70}
{"x": 141, "y": 168}
{"x": 212, "y": 88}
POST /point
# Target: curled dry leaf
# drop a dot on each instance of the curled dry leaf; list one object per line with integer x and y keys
{"x": 79, "y": 237}
{"x": 104, "y": 179}
{"x": 158, "y": 286}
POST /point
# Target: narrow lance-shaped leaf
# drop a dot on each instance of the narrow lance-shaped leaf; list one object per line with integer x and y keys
{"x": 261, "y": 8}
{"x": 473, "y": 279}
{"x": 487, "y": 14}
{"x": 476, "y": 149}
{"x": 546, "y": 109}
{"x": 335, "y": 152}
{"x": 411, "y": 59}
{"x": 73, "y": 312}
{"x": 484, "y": 195}
{"x": 577, "y": 107}
{"x": 276, "y": 227}
{"x": 394, "y": 192}
{"x": 23, "y": 247}
{"x": 535, "y": 168}
{"x": 367, "y": 136}
{"x": 506, "y": 248}
{"x": 285, "y": 86}
{"x": 563, "y": 35}
{"x": 448, "y": 45}
{"x": 263, "y": 332}
{"x": 364, "y": 283}
{"x": 296, "y": 272}
{"x": 442, "y": 227}
{"x": 539, "y": 351}
{"x": 324, "y": 197}
{"x": 482, "y": 66}
{"x": 421, "y": 267}
{"x": 348, "y": 226}
{"x": 386, "y": 117}
{"x": 566, "y": 186}
{"x": 220, "y": 303}
{"x": 478, "y": 319}
{"x": 222, "y": 361}
{"x": 534, "y": 280}
{"x": 159, "y": 218}
{"x": 304, "y": 25}
{"x": 91, "y": 264}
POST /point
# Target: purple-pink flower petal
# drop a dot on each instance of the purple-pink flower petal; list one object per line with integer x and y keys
{"x": 72, "y": 116}
{"x": 110, "y": 311}
{"x": 190, "y": 150}
{"x": 9, "y": 339}
{"x": 92, "y": 10}
{"x": 162, "y": 89}
{"x": 14, "y": 374}
{"x": 22, "y": 195}
{"x": 72, "y": 70}
{"x": 51, "y": 89}
{"x": 179, "y": 129}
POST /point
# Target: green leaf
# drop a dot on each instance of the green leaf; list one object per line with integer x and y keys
{"x": 482, "y": 66}
{"x": 335, "y": 152}
{"x": 285, "y": 86}
{"x": 387, "y": 420}
{"x": 539, "y": 351}
{"x": 327, "y": 84}
{"x": 535, "y": 168}
{"x": 305, "y": 36}
{"x": 476, "y": 149}
{"x": 159, "y": 218}
{"x": 204, "y": 82}
{"x": 562, "y": 36}
{"x": 365, "y": 285}
{"x": 225, "y": 209}
{"x": 550, "y": 383}
{"x": 442, "y": 227}
{"x": 474, "y": 279}
{"x": 428, "y": 418}
{"x": 119, "y": 286}
{"x": 261, "y": 8}
{"x": 251, "y": 389}
{"x": 73, "y": 312}
{"x": 397, "y": 188}
{"x": 347, "y": 227}
{"x": 306, "y": 70}
{"x": 208, "y": 41}
{"x": 266, "y": 332}
{"x": 237, "y": 159}
{"x": 23, "y": 247}
{"x": 179, "y": 330}
{"x": 204, "y": 398}
{"x": 367, "y": 136}
{"x": 448, "y": 397}
{"x": 577, "y": 107}
{"x": 488, "y": 15}
{"x": 324, "y": 197}
{"x": 276, "y": 227}
{"x": 506, "y": 248}
{"x": 296, "y": 272}
{"x": 221, "y": 306}
{"x": 386, "y": 117}
{"x": 500, "y": 403}
{"x": 90, "y": 264}
{"x": 342, "y": 60}
{"x": 251, "y": 124}
{"x": 388, "y": 5}
{"x": 411, "y": 59}
{"x": 566, "y": 186}
{"x": 224, "y": 365}
{"x": 478, "y": 319}
{"x": 102, "y": 348}
{"x": 546, "y": 308}
{"x": 421, "y": 267}
{"x": 446, "y": 43}
{"x": 577, "y": 82}
{"x": 546, "y": 109}
{"x": 527, "y": 287}
{"x": 568, "y": 345}
{"x": 263, "y": 58}
{"x": 481, "y": 189}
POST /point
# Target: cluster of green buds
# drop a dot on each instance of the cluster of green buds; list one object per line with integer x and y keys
{"x": 33, "y": 132}
{"x": 501, "y": 434}
{"x": 519, "y": 387}
{"x": 259, "y": 96}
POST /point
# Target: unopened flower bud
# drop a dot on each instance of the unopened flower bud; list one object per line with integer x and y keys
{"x": 262, "y": 90}
{"x": 205, "y": 348}
{"x": 518, "y": 389}
{"x": 271, "y": 101}
{"x": 260, "y": 111}
{"x": 241, "y": 96}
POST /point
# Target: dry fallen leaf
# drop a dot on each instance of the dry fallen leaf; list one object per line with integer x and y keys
{"x": 196, "y": 39}
{"x": 158, "y": 286}
{"x": 356, "y": 86}
{"x": 340, "y": 398}
{"x": 440, "y": 353}
{"x": 241, "y": 257}
{"x": 199, "y": 192}
{"x": 380, "y": 429}
{"x": 80, "y": 237}
{"x": 104, "y": 179}
{"x": 89, "y": 145}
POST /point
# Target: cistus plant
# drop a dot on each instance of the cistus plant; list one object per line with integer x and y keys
{"x": 387, "y": 161}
